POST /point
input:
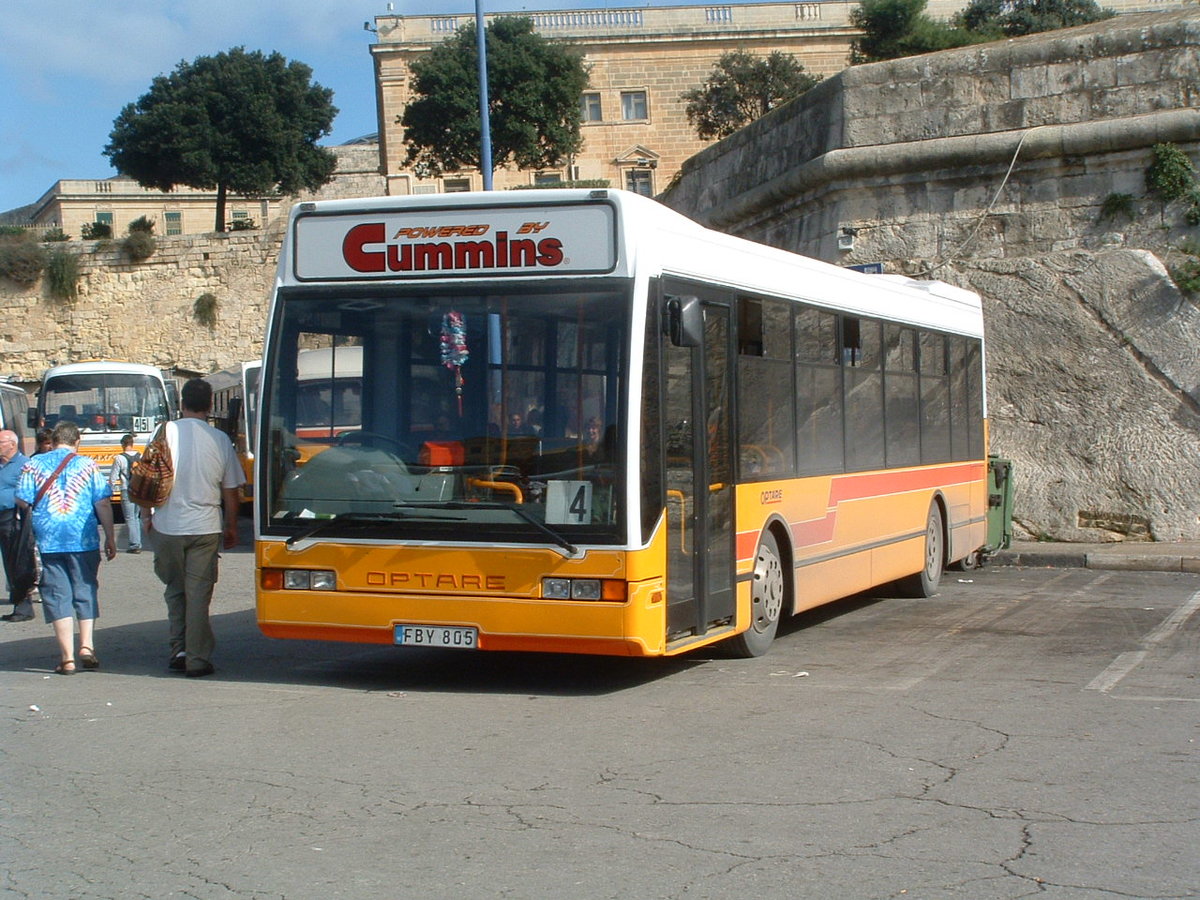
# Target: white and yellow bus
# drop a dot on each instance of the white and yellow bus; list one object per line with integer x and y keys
{"x": 587, "y": 424}
{"x": 106, "y": 399}
{"x": 235, "y": 411}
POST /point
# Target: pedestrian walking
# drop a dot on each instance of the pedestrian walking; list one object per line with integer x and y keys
{"x": 122, "y": 467}
{"x": 187, "y": 529}
{"x": 68, "y": 499}
{"x": 18, "y": 571}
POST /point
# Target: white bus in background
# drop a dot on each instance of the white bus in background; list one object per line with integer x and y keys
{"x": 106, "y": 399}
{"x": 235, "y": 411}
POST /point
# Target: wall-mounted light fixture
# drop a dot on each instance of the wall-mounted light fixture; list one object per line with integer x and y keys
{"x": 846, "y": 238}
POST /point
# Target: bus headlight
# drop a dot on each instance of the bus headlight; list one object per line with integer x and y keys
{"x": 309, "y": 580}
{"x": 582, "y": 589}
{"x": 556, "y": 588}
{"x": 585, "y": 589}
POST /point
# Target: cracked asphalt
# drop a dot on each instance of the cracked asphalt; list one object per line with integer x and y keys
{"x": 1025, "y": 733}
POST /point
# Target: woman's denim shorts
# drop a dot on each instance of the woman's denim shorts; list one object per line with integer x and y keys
{"x": 69, "y": 585}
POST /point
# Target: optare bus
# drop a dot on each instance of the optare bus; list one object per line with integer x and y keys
{"x": 587, "y": 424}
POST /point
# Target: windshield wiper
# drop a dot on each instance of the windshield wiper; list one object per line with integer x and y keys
{"x": 516, "y": 510}
{"x": 352, "y": 518}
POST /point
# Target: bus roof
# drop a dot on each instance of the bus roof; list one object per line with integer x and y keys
{"x": 647, "y": 240}
{"x": 100, "y": 366}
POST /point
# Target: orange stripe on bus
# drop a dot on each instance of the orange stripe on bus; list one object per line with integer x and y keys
{"x": 842, "y": 488}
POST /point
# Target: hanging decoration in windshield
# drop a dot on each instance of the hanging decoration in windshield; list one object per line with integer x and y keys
{"x": 454, "y": 350}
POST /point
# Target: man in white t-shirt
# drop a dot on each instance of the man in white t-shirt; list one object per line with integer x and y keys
{"x": 187, "y": 529}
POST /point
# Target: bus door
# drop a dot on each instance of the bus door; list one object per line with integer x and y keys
{"x": 699, "y": 466}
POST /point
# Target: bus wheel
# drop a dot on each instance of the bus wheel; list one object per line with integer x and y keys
{"x": 925, "y": 582}
{"x": 766, "y": 601}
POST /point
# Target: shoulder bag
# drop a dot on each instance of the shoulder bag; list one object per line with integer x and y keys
{"x": 153, "y": 475}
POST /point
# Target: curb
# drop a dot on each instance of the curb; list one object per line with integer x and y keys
{"x": 1111, "y": 560}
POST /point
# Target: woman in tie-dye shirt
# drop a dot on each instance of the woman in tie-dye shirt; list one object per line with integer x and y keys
{"x": 65, "y": 521}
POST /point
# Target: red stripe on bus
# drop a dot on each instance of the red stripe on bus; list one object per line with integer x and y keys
{"x": 880, "y": 484}
{"x": 842, "y": 488}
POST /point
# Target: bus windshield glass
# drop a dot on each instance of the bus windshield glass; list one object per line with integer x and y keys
{"x": 104, "y": 401}
{"x": 481, "y": 417}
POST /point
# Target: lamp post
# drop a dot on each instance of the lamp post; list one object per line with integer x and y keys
{"x": 485, "y": 125}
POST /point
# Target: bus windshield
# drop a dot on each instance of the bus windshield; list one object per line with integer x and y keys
{"x": 104, "y": 401}
{"x": 479, "y": 417}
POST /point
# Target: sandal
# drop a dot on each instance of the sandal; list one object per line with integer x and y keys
{"x": 62, "y": 667}
{"x": 87, "y": 657}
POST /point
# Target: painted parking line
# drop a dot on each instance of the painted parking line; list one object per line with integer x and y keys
{"x": 1127, "y": 662}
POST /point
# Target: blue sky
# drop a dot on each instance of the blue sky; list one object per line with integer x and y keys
{"x": 68, "y": 68}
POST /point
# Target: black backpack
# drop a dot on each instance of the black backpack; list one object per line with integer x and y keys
{"x": 127, "y": 469}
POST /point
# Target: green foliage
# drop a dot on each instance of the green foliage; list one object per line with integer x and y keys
{"x": 141, "y": 224}
{"x": 62, "y": 274}
{"x": 22, "y": 259}
{"x": 139, "y": 245}
{"x": 1186, "y": 275}
{"x": 1116, "y": 206}
{"x": 534, "y": 86}
{"x": 1171, "y": 176}
{"x": 55, "y": 235}
{"x": 246, "y": 224}
{"x": 741, "y": 88}
{"x": 96, "y": 231}
{"x": 895, "y": 28}
{"x": 205, "y": 308}
{"x": 1011, "y": 18}
{"x": 12, "y": 231}
{"x": 238, "y": 122}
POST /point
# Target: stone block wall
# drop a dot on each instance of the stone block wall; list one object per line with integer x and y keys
{"x": 987, "y": 167}
{"x": 144, "y": 312}
{"x": 912, "y": 153}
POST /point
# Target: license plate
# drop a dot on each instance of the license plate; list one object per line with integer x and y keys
{"x": 437, "y": 636}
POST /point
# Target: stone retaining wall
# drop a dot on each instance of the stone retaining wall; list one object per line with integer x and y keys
{"x": 914, "y": 155}
{"x": 144, "y": 312}
{"x": 988, "y": 167}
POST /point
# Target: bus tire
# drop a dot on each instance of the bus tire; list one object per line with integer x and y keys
{"x": 767, "y": 593}
{"x": 925, "y": 583}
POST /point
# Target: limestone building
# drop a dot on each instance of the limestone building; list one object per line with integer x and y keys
{"x": 71, "y": 204}
{"x": 640, "y": 59}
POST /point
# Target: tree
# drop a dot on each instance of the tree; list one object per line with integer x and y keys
{"x": 237, "y": 122}
{"x": 1011, "y": 18}
{"x": 534, "y": 89}
{"x": 895, "y": 28}
{"x": 741, "y": 88}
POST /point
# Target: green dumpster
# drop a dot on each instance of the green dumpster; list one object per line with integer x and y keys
{"x": 999, "y": 514}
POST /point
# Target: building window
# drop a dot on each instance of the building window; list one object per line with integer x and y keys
{"x": 547, "y": 178}
{"x": 174, "y": 222}
{"x": 639, "y": 181}
{"x": 633, "y": 105}
{"x": 456, "y": 185}
{"x": 589, "y": 108}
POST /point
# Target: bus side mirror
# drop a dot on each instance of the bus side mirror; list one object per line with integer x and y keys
{"x": 32, "y": 418}
{"x": 685, "y": 321}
